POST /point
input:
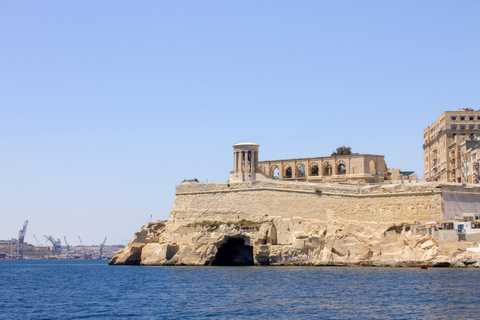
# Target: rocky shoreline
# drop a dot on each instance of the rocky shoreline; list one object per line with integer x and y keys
{"x": 153, "y": 245}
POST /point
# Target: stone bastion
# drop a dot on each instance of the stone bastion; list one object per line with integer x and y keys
{"x": 299, "y": 223}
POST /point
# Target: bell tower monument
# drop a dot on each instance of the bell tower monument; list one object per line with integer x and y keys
{"x": 245, "y": 162}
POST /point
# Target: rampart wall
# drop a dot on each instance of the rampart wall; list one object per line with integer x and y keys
{"x": 254, "y": 200}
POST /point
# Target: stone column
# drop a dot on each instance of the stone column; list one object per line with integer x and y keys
{"x": 239, "y": 161}
{"x": 234, "y": 161}
{"x": 252, "y": 162}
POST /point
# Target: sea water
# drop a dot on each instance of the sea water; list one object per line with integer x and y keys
{"x": 95, "y": 290}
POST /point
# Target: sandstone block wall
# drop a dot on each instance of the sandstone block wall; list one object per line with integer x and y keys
{"x": 296, "y": 208}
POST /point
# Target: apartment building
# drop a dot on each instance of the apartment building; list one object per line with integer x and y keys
{"x": 475, "y": 156}
{"x": 468, "y": 161}
{"x": 442, "y": 144}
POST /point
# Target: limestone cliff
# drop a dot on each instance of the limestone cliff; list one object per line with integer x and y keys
{"x": 282, "y": 223}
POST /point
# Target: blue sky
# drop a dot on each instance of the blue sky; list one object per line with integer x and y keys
{"x": 106, "y": 106}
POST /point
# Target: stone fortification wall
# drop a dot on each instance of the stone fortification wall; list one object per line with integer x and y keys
{"x": 252, "y": 200}
{"x": 326, "y": 188}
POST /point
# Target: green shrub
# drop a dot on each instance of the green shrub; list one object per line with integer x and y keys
{"x": 211, "y": 225}
{"x": 318, "y": 191}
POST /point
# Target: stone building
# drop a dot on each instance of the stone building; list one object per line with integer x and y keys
{"x": 464, "y": 156}
{"x": 370, "y": 168}
{"x": 442, "y": 140}
{"x": 475, "y": 156}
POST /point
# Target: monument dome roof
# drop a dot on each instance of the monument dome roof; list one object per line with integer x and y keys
{"x": 244, "y": 144}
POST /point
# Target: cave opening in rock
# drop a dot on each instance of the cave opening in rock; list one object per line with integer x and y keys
{"x": 234, "y": 253}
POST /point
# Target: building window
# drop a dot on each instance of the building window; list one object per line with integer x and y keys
{"x": 454, "y": 127}
{"x": 455, "y": 118}
{"x": 478, "y": 118}
{"x": 462, "y": 127}
{"x": 471, "y": 127}
{"x": 478, "y": 127}
{"x": 462, "y": 118}
{"x": 471, "y": 118}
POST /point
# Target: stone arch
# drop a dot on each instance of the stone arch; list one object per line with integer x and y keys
{"x": 288, "y": 172}
{"x": 372, "y": 167}
{"x": 300, "y": 172}
{"x": 341, "y": 167}
{"x": 313, "y": 169}
{"x": 261, "y": 169}
{"x": 327, "y": 168}
{"x": 274, "y": 172}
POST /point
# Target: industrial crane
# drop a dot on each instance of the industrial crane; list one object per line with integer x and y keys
{"x": 66, "y": 244}
{"x": 101, "y": 247}
{"x": 21, "y": 237}
{"x": 38, "y": 243}
{"x": 83, "y": 247}
{"x": 57, "y": 245}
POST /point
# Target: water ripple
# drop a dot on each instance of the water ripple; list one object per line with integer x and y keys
{"x": 94, "y": 290}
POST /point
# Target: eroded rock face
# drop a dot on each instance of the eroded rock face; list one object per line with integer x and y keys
{"x": 255, "y": 243}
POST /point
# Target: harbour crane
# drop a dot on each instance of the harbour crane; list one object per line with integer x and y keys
{"x": 83, "y": 247}
{"x": 38, "y": 243}
{"x": 57, "y": 245}
{"x": 101, "y": 247}
{"x": 21, "y": 237}
{"x": 66, "y": 244}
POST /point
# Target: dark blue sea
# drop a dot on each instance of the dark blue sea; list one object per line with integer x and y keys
{"x": 95, "y": 290}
